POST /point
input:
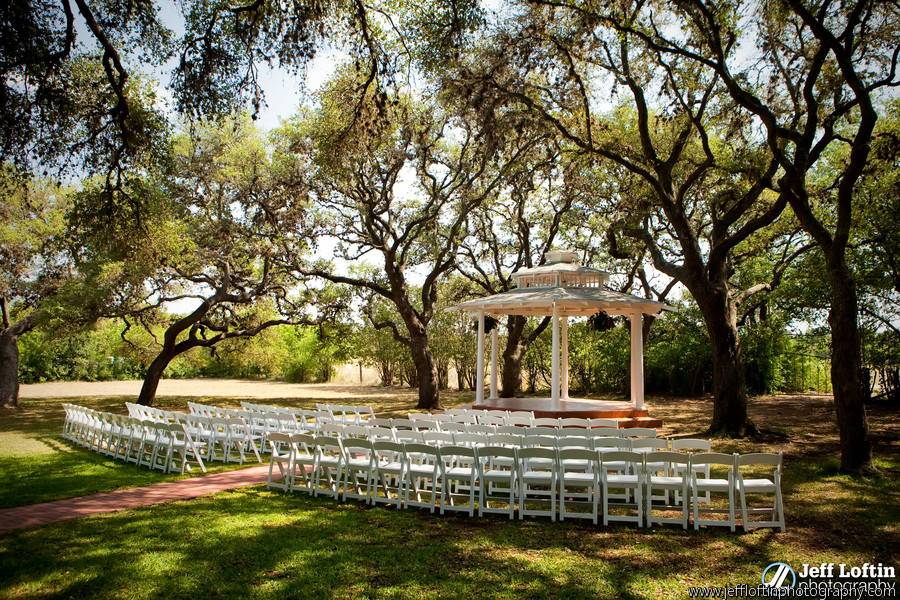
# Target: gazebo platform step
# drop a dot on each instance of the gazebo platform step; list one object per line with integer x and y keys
{"x": 627, "y": 415}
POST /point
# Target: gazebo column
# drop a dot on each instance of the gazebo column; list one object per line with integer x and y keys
{"x": 494, "y": 345}
{"x": 554, "y": 361}
{"x": 637, "y": 361}
{"x": 479, "y": 361}
{"x": 564, "y": 368}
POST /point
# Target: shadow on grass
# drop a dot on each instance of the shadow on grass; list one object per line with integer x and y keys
{"x": 255, "y": 543}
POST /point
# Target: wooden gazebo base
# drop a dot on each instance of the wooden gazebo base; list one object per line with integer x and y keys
{"x": 627, "y": 415}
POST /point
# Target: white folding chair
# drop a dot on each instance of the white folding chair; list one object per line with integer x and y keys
{"x": 546, "y": 422}
{"x": 282, "y": 456}
{"x": 390, "y": 469}
{"x": 666, "y": 471}
{"x": 579, "y": 482}
{"x": 185, "y": 447}
{"x": 622, "y": 470}
{"x": 497, "y": 469}
{"x": 717, "y": 462}
{"x": 760, "y": 485}
{"x": 329, "y": 464}
{"x": 304, "y": 454}
{"x": 359, "y": 469}
{"x": 692, "y": 445}
{"x": 458, "y": 469}
{"x": 537, "y": 476}
{"x": 422, "y": 462}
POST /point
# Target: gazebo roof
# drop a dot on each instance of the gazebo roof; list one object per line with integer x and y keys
{"x": 570, "y": 302}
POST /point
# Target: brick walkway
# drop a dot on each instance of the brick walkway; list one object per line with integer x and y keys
{"x": 45, "y": 513}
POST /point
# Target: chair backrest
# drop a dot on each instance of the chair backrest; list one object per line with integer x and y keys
{"x": 524, "y": 454}
{"x": 713, "y": 458}
{"x": 579, "y": 454}
{"x": 489, "y": 419}
{"x": 505, "y": 439}
{"x": 281, "y": 438}
{"x": 610, "y": 423}
{"x": 331, "y": 429}
{"x": 611, "y": 444}
{"x": 456, "y": 411}
{"x": 605, "y": 432}
{"x": 303, "y": 442}
{"x": 380, "y": 422}
{"x": 421, "y": 453}
{"x": 402, "y": 424}
{"x": 467, "y": 417}
{"x": 760, "y": 458}
{"x": 573, "y": 442}
{"x": 418, "y": 416}
{"x": 654, "y": 443}
{"x": 441, "y": 418}
{"x": 513, "y": 429}
{"x": 357, "y": 446}
{"x": 638, "y": 432}
{"x": 523, "y": 420}
{"x": 486, "y": 453}
{"x": 539, "y": 441}
{"x": 541, "y": 431}
{"x": 669, "y": 457}
{"x": 326, "y": 444}
{"x": 449, "y": 454}
{"x": 426, "y": 425}
{"x": 438, "y": 438}
{"x": 452, "y": 427}
{"x": 380, "y": 433}
{"x": 574, "y": 422}
{"x": 574, "y": 432}
{"x": 482, "y": 429}
{"x": 355, "y": 431}
{"x": 546, "y": 422}
{"x": 471, "y": 439}
{"x": 404, "y": 436}
{"x": 621, "y": 456}
{"x": 691, "y": 444}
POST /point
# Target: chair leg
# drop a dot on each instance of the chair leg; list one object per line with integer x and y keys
{"x": 731, "y": 518}
{"x": 695, "y": 502}
{"x": 744, "y": 515}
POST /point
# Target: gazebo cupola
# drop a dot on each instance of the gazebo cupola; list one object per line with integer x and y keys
{"x": 561, "y": 269}
{"x": 561, "y": 288}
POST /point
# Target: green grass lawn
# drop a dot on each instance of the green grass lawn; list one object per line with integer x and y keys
{"x": 38, "y": 465}
{"x": 252, "y": 542}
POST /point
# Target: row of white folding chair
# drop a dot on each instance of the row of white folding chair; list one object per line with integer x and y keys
{"x": 149, "y": 413}
{"x": 359, "y": 468}
{"x": 228, "y": 439}
{"x": 604, "y": 444}
{"x": 156, "y": 445}
{"x": 430, "y": 425}
{"x": 305, "y": 419}
{"x": 347, "y": 413}
{"x": 501, "y": 417}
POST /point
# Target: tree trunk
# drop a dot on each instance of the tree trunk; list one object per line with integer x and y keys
{"x": 511, "y": 378}
{"x": 9, "y": 370}
{"x": 729, "y": 389}
{"x": 846, "y": 370}
{"x": 426, "y": 373}
{"x": 152, "y": 376}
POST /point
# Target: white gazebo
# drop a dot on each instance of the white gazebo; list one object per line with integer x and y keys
{"x": 561, "y": 288}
